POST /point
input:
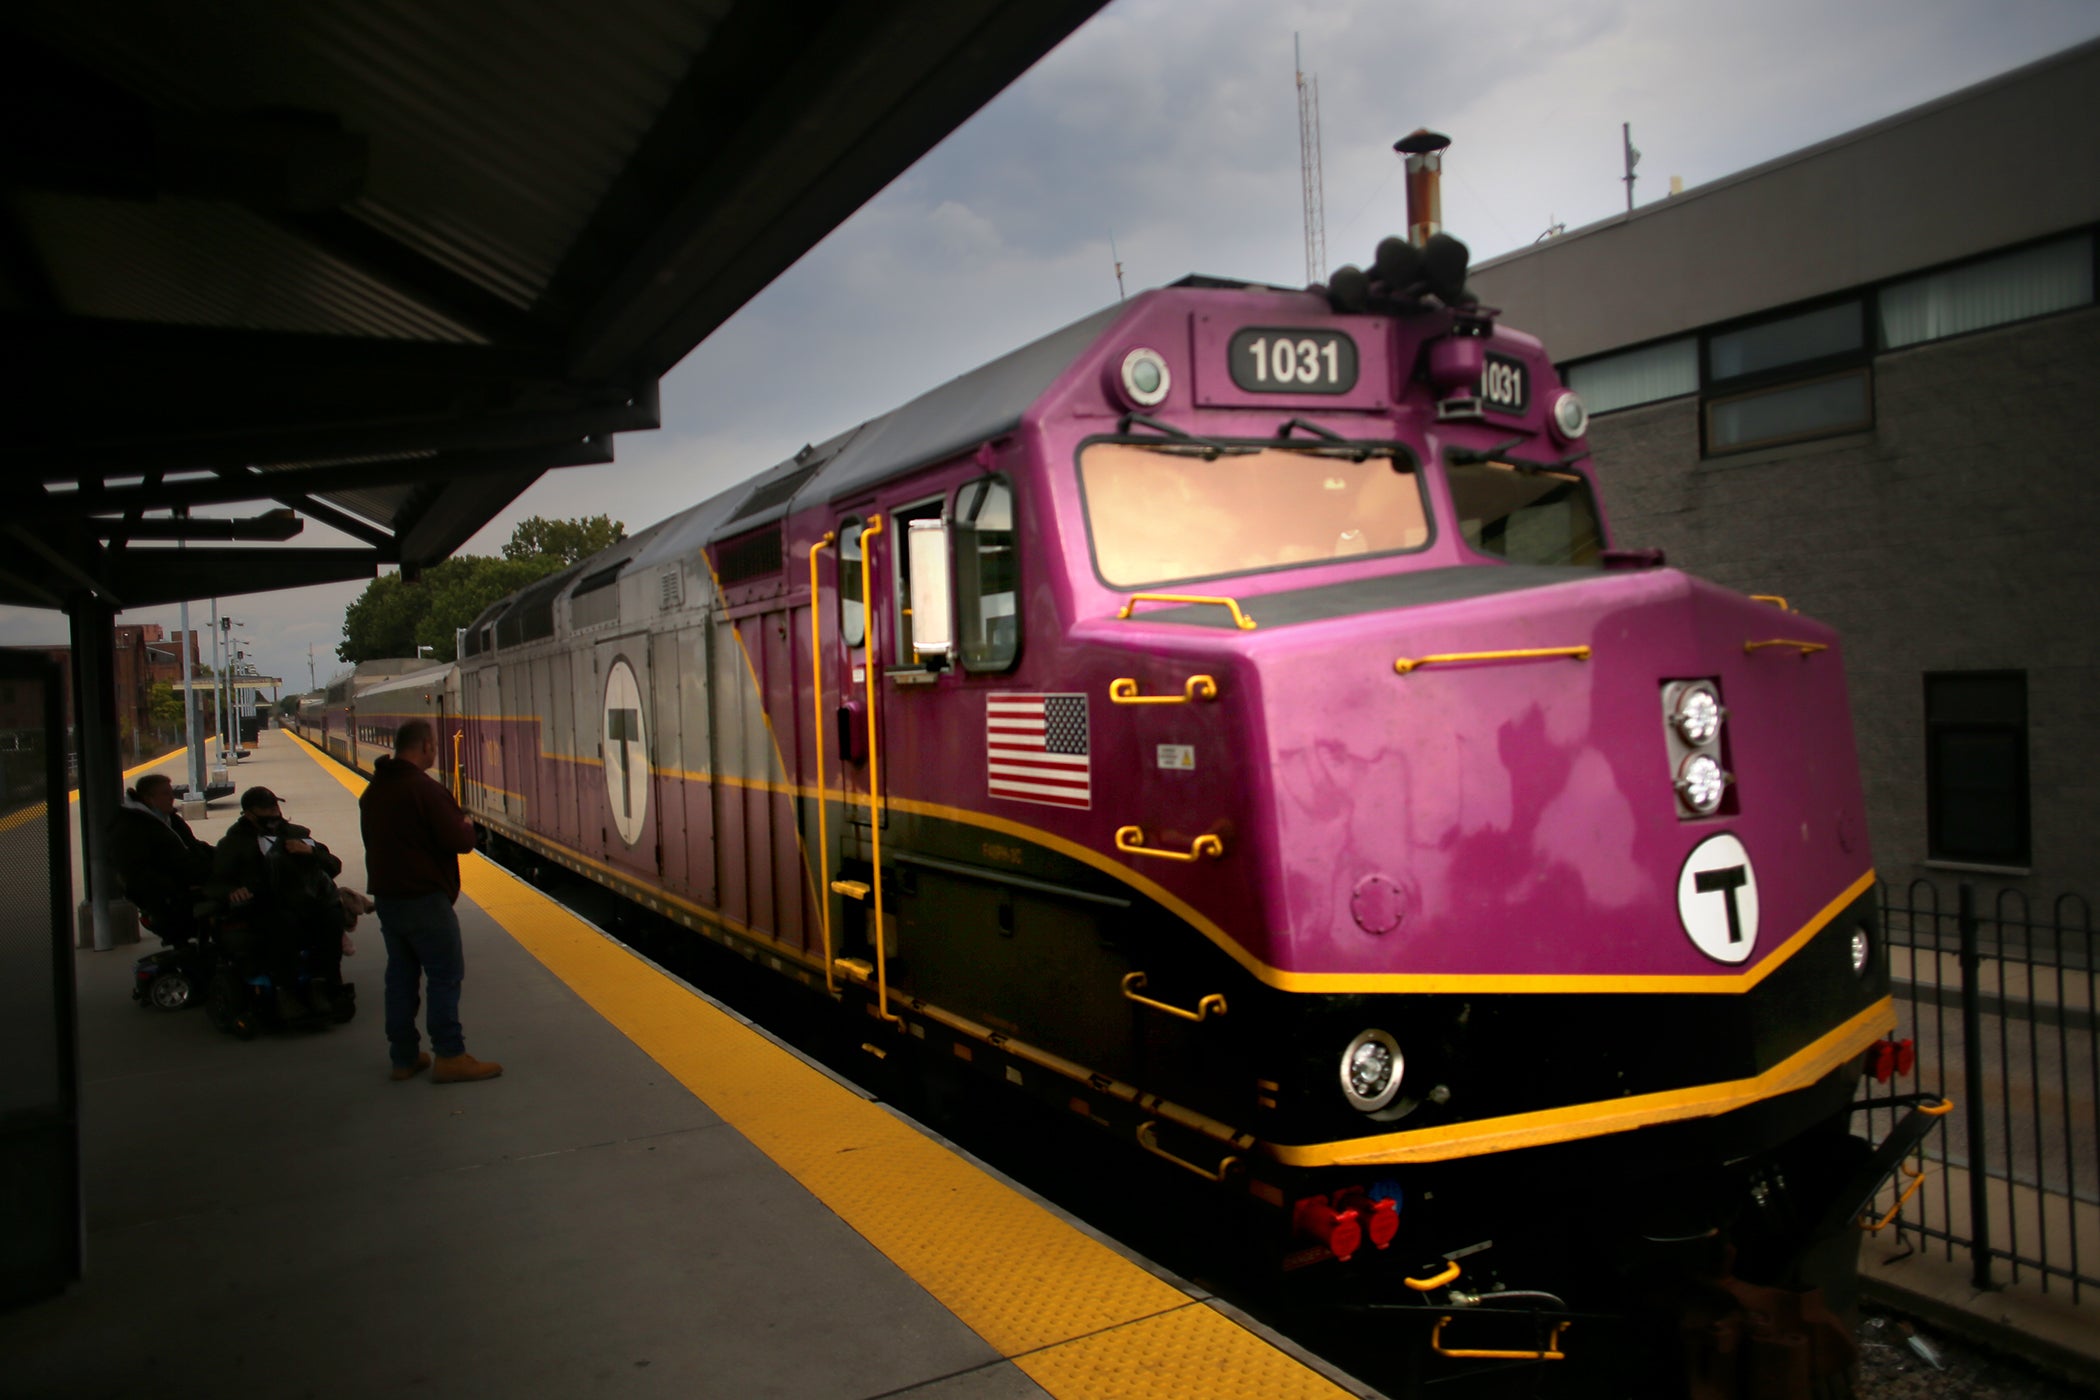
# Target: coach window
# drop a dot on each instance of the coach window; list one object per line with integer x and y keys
{"x": 987, "y": 576}
{"x": 1976, "y": 767}
{"x": 1789, "y": 378}
{"x": 852, "y": 615}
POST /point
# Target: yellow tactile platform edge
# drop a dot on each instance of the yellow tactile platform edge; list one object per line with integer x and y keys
{"x": 1074, "y": 1315}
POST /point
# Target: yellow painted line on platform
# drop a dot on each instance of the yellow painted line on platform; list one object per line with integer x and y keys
{"x": 1075, "y": 1316}
{"x": 73, "y": 794}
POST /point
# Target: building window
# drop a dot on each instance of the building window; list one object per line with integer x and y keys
{"x": 1646, "y": 375}
{"x": 1976, "y": 767}
{"x": 1789, "y": 378}
{"x": 1993, "y": 291}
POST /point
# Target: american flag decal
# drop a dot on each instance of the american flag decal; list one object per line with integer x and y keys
{"x": 1036, "y": 750}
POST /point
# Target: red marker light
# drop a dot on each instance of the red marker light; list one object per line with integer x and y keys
{"x": 1340, "y": 1231}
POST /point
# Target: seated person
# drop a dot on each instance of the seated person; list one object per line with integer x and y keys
{"x": 162, "y": 864}
{"x": 283, "y": 909}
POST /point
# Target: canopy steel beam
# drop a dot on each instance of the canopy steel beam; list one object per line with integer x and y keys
{"x": 342, "y": 520}
{"x": 275, "y": 525}
{"x": 633, "y": 410}
{"x": 149, "y": 577}
{"x": 256, "y": 485}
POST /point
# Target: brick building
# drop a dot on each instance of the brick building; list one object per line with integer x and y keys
{"x": 1863, "y": 376}
{"x": 144, "y": 656}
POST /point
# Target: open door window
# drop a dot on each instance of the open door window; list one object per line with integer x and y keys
{"x": 987, "y": 576}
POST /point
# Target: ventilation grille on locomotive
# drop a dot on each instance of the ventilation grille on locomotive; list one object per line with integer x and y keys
{"x": 753, "y": 556}
{"x": 596, "y": 600}
{"x": 531, "y": 617}
{"x": 670, "y": 589}
{"x": 775, "y": 493}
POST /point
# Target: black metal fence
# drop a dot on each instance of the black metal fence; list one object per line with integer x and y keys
{"x": 1999, "y": 1004}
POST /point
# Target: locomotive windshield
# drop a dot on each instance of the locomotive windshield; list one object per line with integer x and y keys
{"x": 1163, "y": 514}
{"x": 1526, "y": 514}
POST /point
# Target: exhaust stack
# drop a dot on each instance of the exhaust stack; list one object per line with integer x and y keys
{"x": 1424, "y": 152}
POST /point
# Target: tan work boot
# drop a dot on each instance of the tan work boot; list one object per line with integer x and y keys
{"x": 403, "y": 1073}
{"x": 463, "y": 1069}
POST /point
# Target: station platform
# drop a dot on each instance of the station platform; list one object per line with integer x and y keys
{"x": 654, "y": 1199}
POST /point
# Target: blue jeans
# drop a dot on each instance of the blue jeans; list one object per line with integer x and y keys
{"x": 422, "y": 947}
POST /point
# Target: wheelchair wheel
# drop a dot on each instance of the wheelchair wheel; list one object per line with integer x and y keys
{"x": 171, "y": 991}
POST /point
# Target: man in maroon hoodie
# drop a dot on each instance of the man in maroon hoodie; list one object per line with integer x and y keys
{"x": 414, "y": 836}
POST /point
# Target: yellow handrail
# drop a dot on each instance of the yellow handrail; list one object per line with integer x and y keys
{"x": 1806, "y": 647}
{"x": 1150, "y": 1143}
{"x": 1917, "y": 1179}
{"x": 1131, "y": 841}
{"x": 1772, "y": 598}
{"x": 1124, "y": 691}
{"x": 1134, "y": 981}
{"x": 1551, "y": 1353}
{"x": 1240, "y": 619}
{"x": 1431, "y": 1285}
{"x": 1406, "y": 664}
{"x": 458, "y": 787}
{"x": 867, "y": 593}
{"x": 816, "y": 727}
{"x": 874, "y": 769}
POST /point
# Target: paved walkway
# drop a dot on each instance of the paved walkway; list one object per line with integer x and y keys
{"x": 654, "y": 1200}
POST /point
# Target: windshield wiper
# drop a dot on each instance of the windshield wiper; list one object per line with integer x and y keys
{"x": 1357, "y": 452}
{"x": 1211, "y": 450}
{"x": 1471, "y": 456}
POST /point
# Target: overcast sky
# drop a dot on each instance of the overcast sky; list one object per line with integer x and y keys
{"x": 1171, "y": 126}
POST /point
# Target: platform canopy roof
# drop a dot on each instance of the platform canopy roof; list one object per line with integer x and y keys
{"x": 383, "y": 265}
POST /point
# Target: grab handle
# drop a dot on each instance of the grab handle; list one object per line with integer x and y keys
{"x": 1134, "y": 982}
{"x": 1551, "y": 1353}
{"x": 1416, "y": 663}
{"x": 1125, "y": 692}
{"x": 1431, "y": 1285}
{"x": 1130, "y": 840}
{"x": 1804, "y": 647}
{"x": 1240, "y": 619}
{"x": 1151, "y": 1144}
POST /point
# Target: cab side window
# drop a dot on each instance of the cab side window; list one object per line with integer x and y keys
{"x": 987, "y": 575}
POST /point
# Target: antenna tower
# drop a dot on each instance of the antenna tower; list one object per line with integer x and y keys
{"x": 1310, "y": 175}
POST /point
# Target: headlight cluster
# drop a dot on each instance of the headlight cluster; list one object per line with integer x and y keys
{"x": 1692, "y": 714}
{"x": 1372, "y": 1067}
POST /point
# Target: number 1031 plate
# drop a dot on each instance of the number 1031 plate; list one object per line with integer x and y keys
{"x": 1283, "y": 360}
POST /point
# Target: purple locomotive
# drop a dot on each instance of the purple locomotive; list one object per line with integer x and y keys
{"x": 1228, "y": 719}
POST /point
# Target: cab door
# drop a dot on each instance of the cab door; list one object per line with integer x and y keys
{"x": 855, "y": 624}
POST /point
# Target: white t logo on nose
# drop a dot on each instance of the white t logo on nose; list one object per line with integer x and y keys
{"x": 1717, "y": 899}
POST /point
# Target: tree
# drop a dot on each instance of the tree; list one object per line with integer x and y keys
{"x": 567, "y": 540}
{"x": 164, "y": 705}
{"x": 392, "y": 618}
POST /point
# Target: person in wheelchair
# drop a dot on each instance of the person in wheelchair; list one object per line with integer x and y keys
{"x": 163, "y": 866}
{"x": 283, "y": 914}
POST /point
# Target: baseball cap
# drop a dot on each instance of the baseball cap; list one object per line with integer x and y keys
{"x": 258, "y": 797}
